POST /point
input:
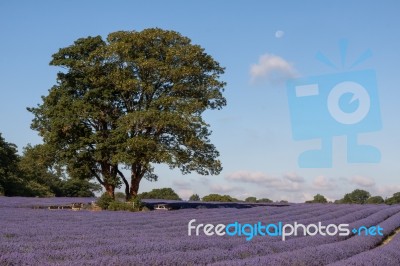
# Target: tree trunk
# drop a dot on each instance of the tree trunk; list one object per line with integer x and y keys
{"x": 109, "y": 176}
{"x": 110, "y": 190}
{"x": 127, "y": 191}
{"x": 135, "y": 181}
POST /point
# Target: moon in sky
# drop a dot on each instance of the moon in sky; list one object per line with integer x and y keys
{"x": 279, "y": 34}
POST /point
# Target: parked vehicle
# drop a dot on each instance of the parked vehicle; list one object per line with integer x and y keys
{"x": 163, "y": 207}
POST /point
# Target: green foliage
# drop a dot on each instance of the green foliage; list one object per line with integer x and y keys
{"x": 120, "y": 206}
{"x": 358, "y": 196}
{"x": 218, "y": 198}
{"x": 10, "y": 182}
{"x": 194, "y": 197}
{"x": 104, "y": 201}
{"x": 74, "y": 187}
{"x": 264, "y": 200}
{"x": 137, "y": 203}
{"x": 375, "y": 200}
{"x": 318, "y": 199}
{"x": 140, "y": 97}
{"x": 35, "y": 174}
{"x": 395, "y": 199}
{"x": 251, "y": 199}
{"x": 37, "y": 165}
{"x": 162, "y": 193}
{"x": 34, "y": 189}
{"x": 120, "y": 196}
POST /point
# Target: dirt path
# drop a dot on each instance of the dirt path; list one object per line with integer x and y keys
{"x": 387, "y": 240}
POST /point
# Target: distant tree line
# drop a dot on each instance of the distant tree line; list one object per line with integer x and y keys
{"x": 359, "y": 196}
{"x": 34, "y": 175}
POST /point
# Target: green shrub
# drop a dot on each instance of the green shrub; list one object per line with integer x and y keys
{"x": 160, "y": 193}
{"x": 251, "y": 199}
{"x": 145, "y": 209}
{"x": 120, "y": 196}
{"x": 34, "y": 189}
{"x": 264, "y": 200}
{"x": 375, "y": 200}
{"x": 104, "y": 201}
{"x": 395, "y": 199}
{"x": 318, "y": 199}
{"x": 120, "y": 206}
{"x": 136, "y": 203}
{"x": 220, "y": 198}
{"x": 194, "y": 197}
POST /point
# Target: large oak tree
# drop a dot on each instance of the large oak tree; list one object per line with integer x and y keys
{"x": 133, "y": 100}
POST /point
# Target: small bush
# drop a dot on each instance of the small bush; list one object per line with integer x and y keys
{"x": 104, "y": 201}
{"x": 160, "y": 193}
{"x": 136, "y": 203}
{"x": 120, "y": 206}
{"x": 395, "y": 199}
{"x": 120, "y": 196}
{"x": 375, "y": 200}
{"x": 219, "y": 198}
{"x": 251, "y": 199}
{"x": 194, "y": 197}
{"x": 264, "y": 200}
{"x": 145, "y": 209}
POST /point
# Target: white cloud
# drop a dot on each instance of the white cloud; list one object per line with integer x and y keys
{"x": 185, "y": 193}
{"x": 249, "y": 177}
{"x": 321, "y": 182}
{"x": 362, "y": 181}
{"x": 183, "y": 184}
{"x": 306, "y": 196}
{"x": 202, "y": 180}
{"x": 289, "y": 182}
{"x": 294, "y": 177}
{"x": 224, "y": 188}
{"x": 387, "y": 190}
{"x": 272, "y": 68}
{"x": 279, "y": 34}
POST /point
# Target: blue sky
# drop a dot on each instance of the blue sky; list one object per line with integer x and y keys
{"x": 262, "y": 44}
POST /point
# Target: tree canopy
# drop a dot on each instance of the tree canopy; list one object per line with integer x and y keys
{"x": 160, "y": 193}
{"x": 34, "y": 174}
{"x": 318, "y": 199}
{"x": 251, "y": 199}
{"x": 357, "y": 196}
{"x": 194, "y": 197}
{"x": 9, "y": 159}
{"x": 133, "y": 100}
{"x": 395, "y": 199}
{"x": 219, "y": 198}
{"x": 375, "y": 200}
{"x": 264, "y": 200}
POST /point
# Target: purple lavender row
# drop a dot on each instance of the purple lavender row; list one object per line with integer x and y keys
{"x": 254, "y": 248}
{"x": 386, "y": 254}
{"x": 24, "y": 202}
{"x": 325, "y": 253}
{"x": 65, "y": 238}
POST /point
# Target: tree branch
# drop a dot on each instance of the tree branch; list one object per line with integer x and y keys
{"x": 97, "y": 177}
{"x": 125, "y": 182}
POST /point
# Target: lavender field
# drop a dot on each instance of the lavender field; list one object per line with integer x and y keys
{"x": 62, "y": 237}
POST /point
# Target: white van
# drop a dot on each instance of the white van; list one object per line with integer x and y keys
{"x": 163, "y": 207}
